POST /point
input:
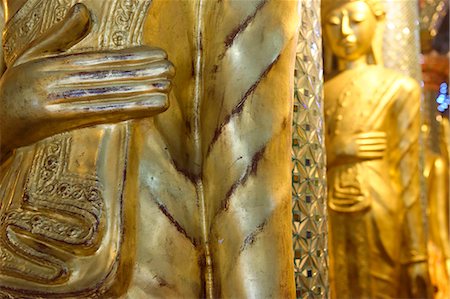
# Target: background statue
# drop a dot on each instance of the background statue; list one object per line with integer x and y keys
{"x": 436, "y": 172}
{"x": 102, "y": 194}
{"x": 434, "y": 25}
{"x": 378, "y": 245}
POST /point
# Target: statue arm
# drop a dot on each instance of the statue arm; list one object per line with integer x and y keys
{"x": 406, "y": 163}
{"x": 438, "y": 197}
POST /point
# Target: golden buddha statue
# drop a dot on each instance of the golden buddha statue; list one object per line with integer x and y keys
{"x": 377, "y": 236}
{"x": 436, "y": 172}
{"x": 104, "y": 193}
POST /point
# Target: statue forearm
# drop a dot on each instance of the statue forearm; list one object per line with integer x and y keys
{"x": 408, "y": 170}
{"x": 414, "y": 249}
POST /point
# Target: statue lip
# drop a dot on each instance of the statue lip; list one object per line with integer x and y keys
{"x": 347, "y": 43}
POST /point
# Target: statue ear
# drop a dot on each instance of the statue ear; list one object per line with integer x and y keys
{"x": 376, "y": 56}
{"x": 377, "y": 42}
{"x": 378, "y": 8}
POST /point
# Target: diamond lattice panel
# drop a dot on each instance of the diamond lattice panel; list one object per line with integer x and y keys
{"x": 401, "y": 43}
{"x": 308, "y": 172}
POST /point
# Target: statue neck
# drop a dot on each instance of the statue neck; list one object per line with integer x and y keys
{"x": 344, "y": 64}
{"x": 11, "y": 7}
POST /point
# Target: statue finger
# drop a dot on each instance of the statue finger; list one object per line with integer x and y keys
{"x": 101, "y": 92}
{"x": 132, "y": 55}
{"x": 371, "y": 141}
{"x": 372, "y": 148}
{"x": 376, "y": 134}
{"x": 371, "y": 154}
{"x": 103, "y": 60}
{"x": 152, "y": 71}
{"x": 62, "y": 36}
{"x": 111, "y": 110}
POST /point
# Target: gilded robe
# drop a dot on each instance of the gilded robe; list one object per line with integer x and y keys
{"x": 374, "y": 207}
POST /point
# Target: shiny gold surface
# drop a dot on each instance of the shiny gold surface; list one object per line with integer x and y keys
{"x": 436, "y": 172}
{"x": 377, "y": 237}
{"x": 310, "y": 230}
{"x": 102, "y": 195}
{"x": 444, "y": 232}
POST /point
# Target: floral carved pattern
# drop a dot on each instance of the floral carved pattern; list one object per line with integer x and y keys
{"x": 58, "y": 207}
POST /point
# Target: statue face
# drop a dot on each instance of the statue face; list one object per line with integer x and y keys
{"x": 349, "y": 30}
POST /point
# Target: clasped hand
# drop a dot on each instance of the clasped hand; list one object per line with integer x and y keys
{"x": 358, "y": 147}
{"x": 46, "y": 92}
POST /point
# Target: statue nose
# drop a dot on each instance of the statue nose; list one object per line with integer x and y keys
{"x": 345, "y": 26}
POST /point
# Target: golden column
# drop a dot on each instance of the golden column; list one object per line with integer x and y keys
{"x": 401, "y": 43}
{"x": 308, "y": 155}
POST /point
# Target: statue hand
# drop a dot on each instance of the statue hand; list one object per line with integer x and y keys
{"x": 42, "y": 94}
{"x": 419, "y": 280}
{"x": 362, "y": 146}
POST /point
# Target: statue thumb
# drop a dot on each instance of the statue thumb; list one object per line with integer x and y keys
{"x": 60, "y": 37}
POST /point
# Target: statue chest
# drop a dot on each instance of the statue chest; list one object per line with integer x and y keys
{"x": 358, "y": 102}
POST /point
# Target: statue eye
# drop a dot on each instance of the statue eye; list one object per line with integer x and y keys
{"x": 334, "y": 20}
{"x": 358, "y": 17}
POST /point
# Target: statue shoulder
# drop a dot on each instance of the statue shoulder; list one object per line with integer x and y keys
{"x": 406, "y": 86}
{"x": 409, "y": 84}
{"x": 405, "y": 83}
